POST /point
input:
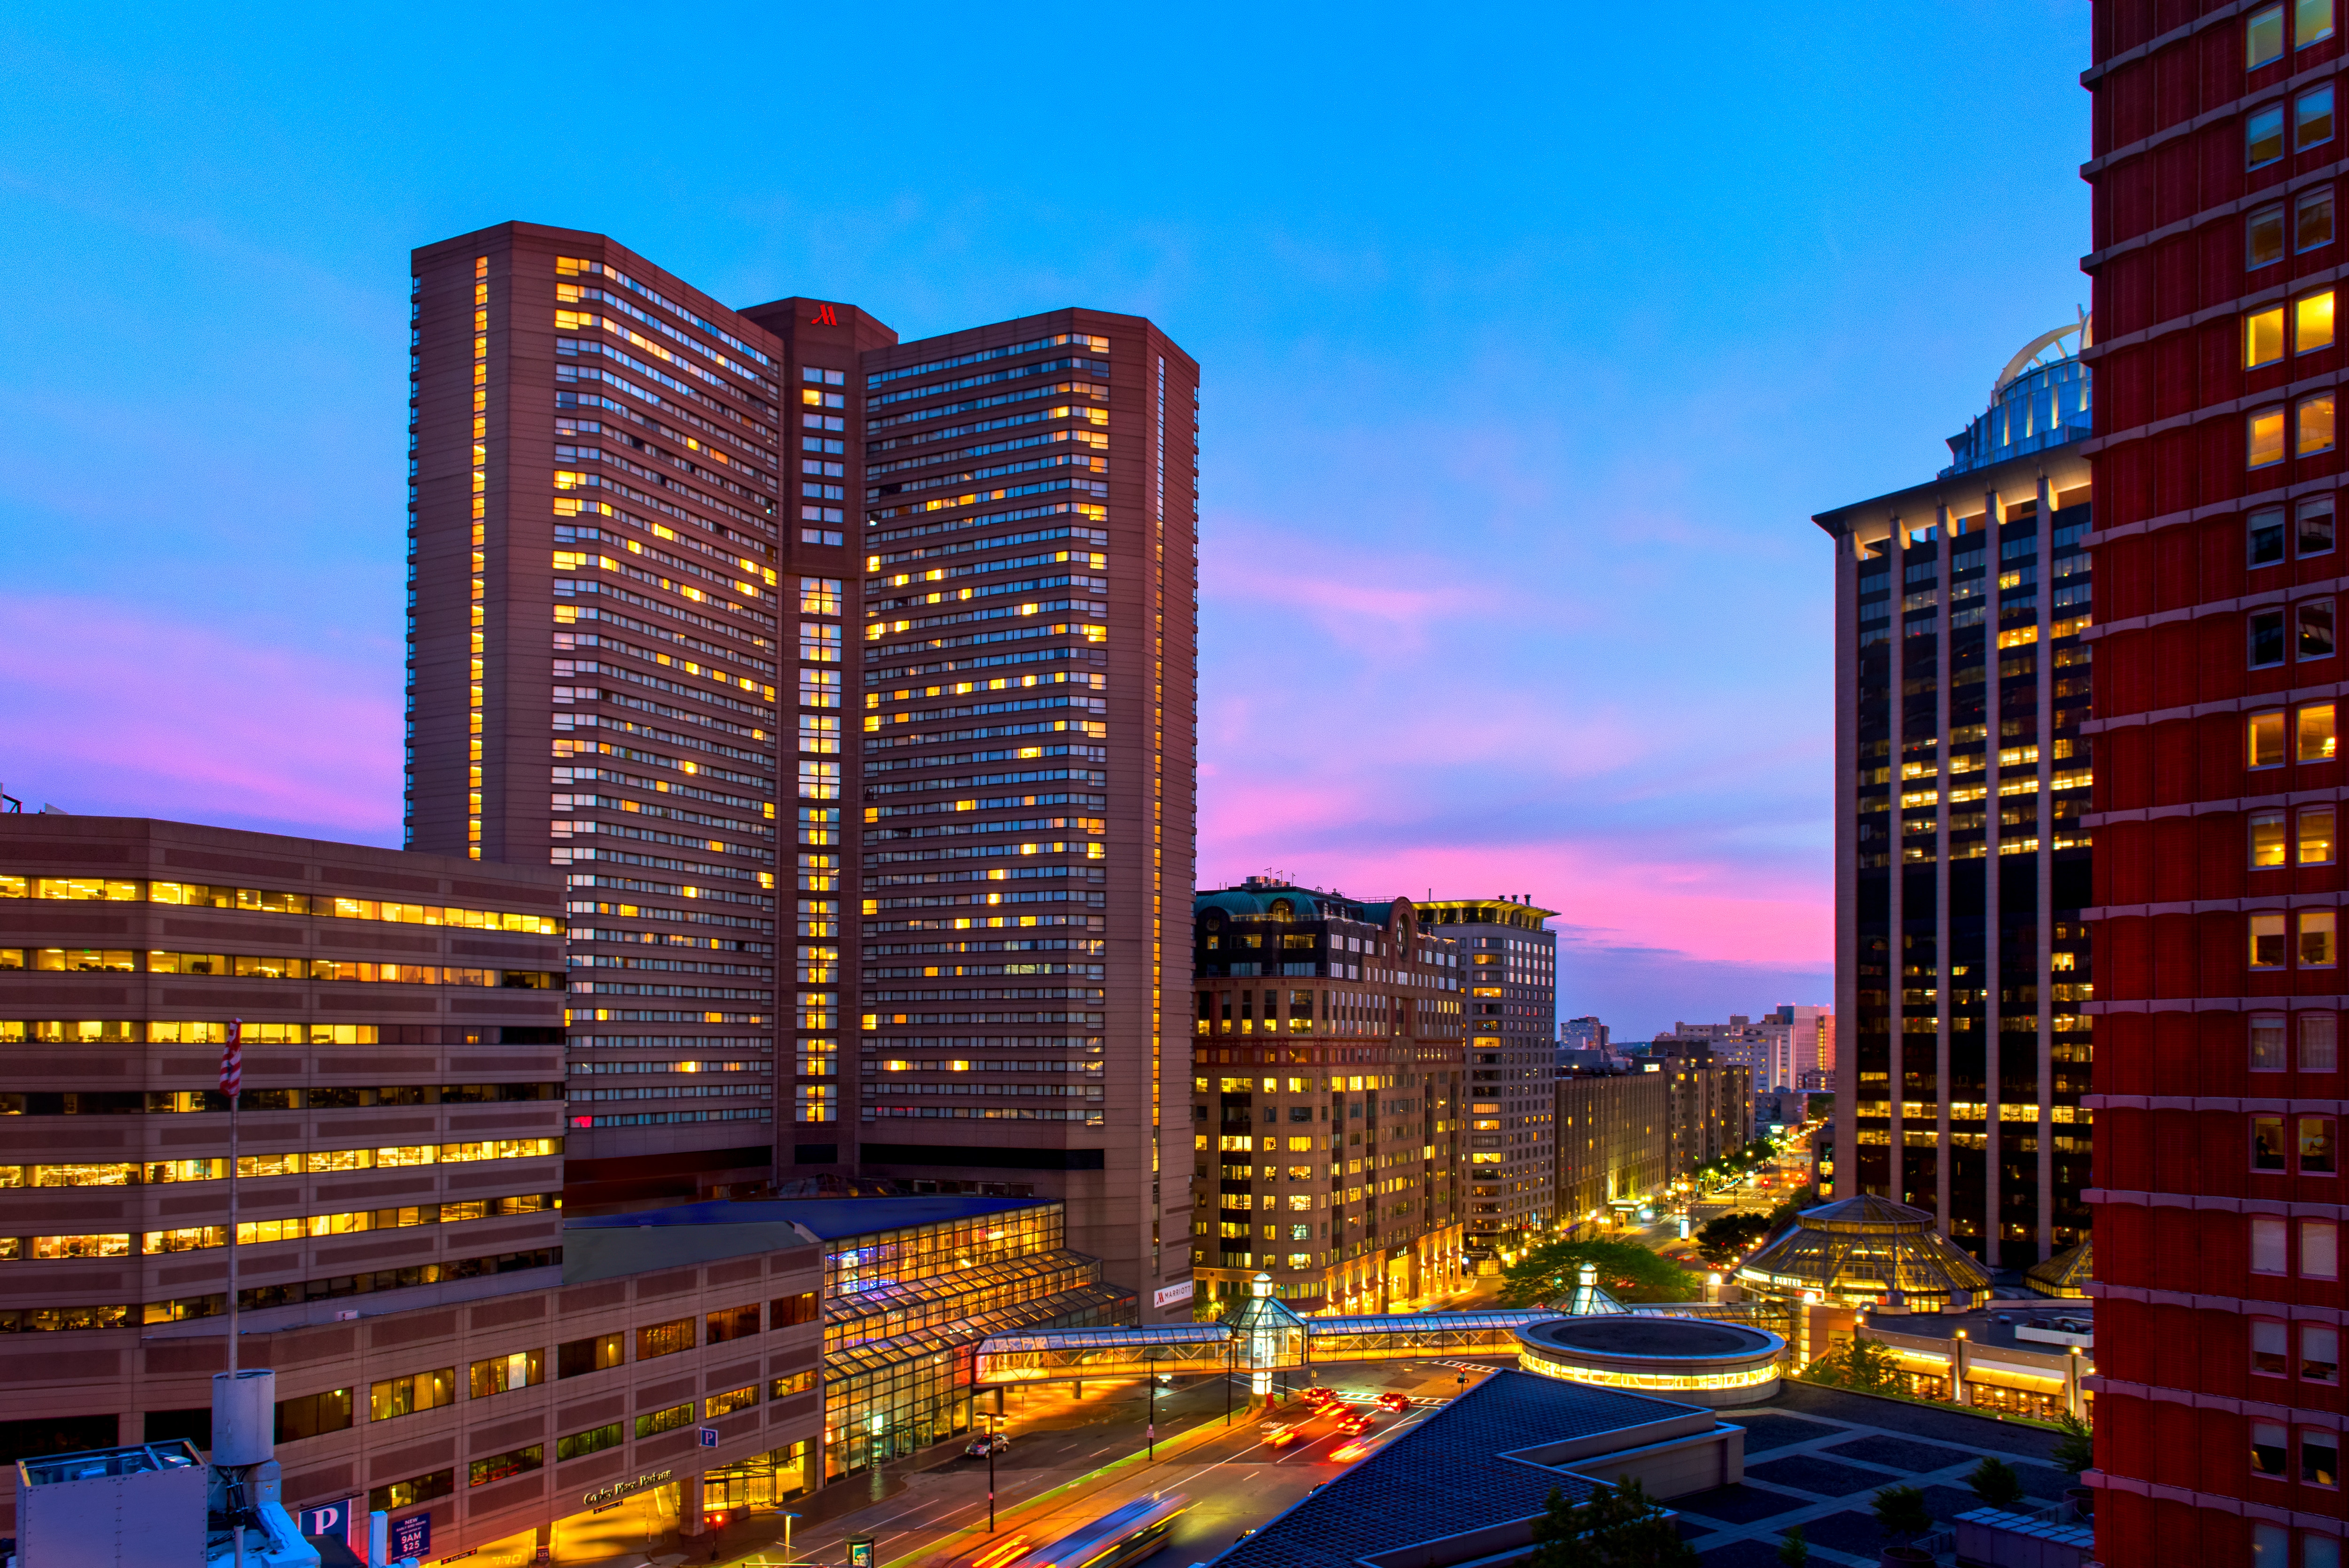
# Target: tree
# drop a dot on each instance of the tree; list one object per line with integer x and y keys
{"x": 1728, "y": 1237}
{"x": 1794, "y": 1551}
{"x": 1865, "y": 1366}
{"x": 1994, "y": 1482}
{"x": 1627, "y": 1271}
{"x": 1900, "y": 1512}
{"x": 1619, "y": 1527}
{"x": 1781, "y": 1218}
{"x": 2075, "y": 1450}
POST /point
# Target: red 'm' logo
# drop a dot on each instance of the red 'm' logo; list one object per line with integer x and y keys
{"x": 823, "y": 317}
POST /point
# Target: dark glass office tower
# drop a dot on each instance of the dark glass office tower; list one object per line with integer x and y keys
{"x": 1961, "y": 865}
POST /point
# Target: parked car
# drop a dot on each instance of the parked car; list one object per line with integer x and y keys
{"x": 988, "y": 1443}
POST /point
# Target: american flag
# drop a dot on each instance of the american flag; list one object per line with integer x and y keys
{"x": 232, "y": 1059}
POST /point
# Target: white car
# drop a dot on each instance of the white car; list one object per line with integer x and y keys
{"x": 988, "y": 1443}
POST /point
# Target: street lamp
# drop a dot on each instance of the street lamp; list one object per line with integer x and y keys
{"x": 1153, "y": 1355}
{"x": 994, "y": 1426}
{"x": 787, "y": 1536}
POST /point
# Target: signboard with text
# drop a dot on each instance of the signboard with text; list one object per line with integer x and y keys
{"x": 1168, "y": 1295}
{"x": 411, "y": 1536}
{"x": 331, "y": 1518}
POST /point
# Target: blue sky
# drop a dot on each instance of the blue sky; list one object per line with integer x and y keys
{"x": 1531, "y": 338}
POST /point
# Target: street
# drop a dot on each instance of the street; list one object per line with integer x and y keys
{"x": 1072, "y": 1461}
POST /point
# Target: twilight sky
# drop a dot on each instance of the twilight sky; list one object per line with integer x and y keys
{"x": 1532, "y": 336}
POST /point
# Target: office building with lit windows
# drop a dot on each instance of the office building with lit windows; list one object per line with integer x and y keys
{"x": 1511, "y": 964}
{"x": 1026, "y": 758}
{"x": 402, "y": 1257}
{"x": 2216, "y": 909}
{"x": 629, "y": 659}
{"x": 819, "y": 637}
{"x": 1962, "y": 856}
{"x": 1326, "y": 1103}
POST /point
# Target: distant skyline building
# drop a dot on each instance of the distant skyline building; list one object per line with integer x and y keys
{"x": 1963, "y": 679}
{"x": 1583, "y": 1034}
{"x": 1512, "y": 1060}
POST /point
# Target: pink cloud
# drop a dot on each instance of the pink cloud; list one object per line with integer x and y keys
{"x": 110, "y": 710}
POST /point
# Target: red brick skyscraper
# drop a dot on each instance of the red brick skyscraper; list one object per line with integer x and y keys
{"x": 2217, "y": 1205}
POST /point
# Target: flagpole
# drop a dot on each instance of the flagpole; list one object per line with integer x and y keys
{"x": 233, "y": 1085}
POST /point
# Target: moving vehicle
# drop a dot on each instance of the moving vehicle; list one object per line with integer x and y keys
{"x": 1319, "y": 1396}
{"x": 988, "y": 1443}
{"x": 1354, "y": 1425}
{"x": 1394, "y": 1402}
{"x": 1122, "y": 1535}
{"x": 1277, "y": 1434}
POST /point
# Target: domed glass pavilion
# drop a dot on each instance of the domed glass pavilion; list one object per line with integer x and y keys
{"x": 2067, "y": 1274}
{"x": 1866, "y": 1252}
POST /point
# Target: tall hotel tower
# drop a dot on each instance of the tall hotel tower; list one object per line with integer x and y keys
{"x": 1962, "y": 849}
{"x": 2218, "y": 883}
{"x": 870, "y": 773}
{"x": 1027, "y": 720}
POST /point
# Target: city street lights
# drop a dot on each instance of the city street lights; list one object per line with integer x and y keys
{"x": 1153, "y": 1355}
{"x": 994, "y": 1426}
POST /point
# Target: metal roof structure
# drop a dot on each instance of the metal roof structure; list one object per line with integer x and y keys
{"x": 1867, "y": 1251}
{"x": 2067, "y": 1274}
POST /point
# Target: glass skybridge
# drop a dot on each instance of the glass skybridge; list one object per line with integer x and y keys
{"x": 1263, "y": 1337}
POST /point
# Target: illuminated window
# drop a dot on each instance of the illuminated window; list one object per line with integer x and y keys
{"x": 2267, "y": 942}
{"x": 2262, "y": 337}
{"x": 2317, "y": 737}
{"x": 2267, "y": 839}
{"x": 2312, "y": 321}
{"x": 2263, "y": 735}
{"x": 2316, "y": 426}
{"x": 2316, "y": 1157}
{"x": 2264, "y": 136}
{"x": 2311, "y": 22}
{"x": 2263, "y": 236}
{"x": 2312, "y": 219}
{"x": 2267, "y": 1143}
{"x": 522, "y": 1369}
{"x": 407, "y": 1395}
{"x": 2315, "y": 847}
{"x": 2265, "y": 431}
{"x": 664, "y": 1338}
{"x": 2262, "y": 37}
{"x": 2263, "y": 534}
{"x": 2265, "y": 631}
{"x": 2316, "y": 938}
{"x": 2311, "y": 118}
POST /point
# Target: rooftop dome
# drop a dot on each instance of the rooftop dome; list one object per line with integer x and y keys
{"x": 1867, "y": 1252}
{"x": 2066, "y": 1273}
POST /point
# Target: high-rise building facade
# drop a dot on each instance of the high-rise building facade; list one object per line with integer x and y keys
{"x": 1512, "y": 966}
{"x": 1027, "y": 731}
{"x": 2215, "y": 914}
{"x": 614, "y": 606}
{"x": 1961, "y": 853}
{"x": 668, "y": 634}
{"x": 1325, "y": 1100}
